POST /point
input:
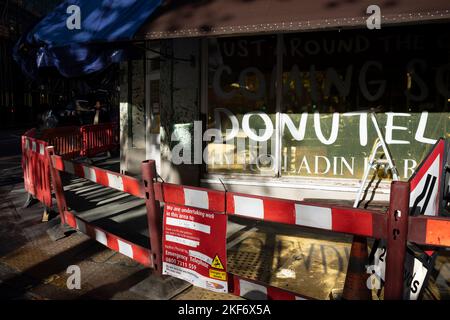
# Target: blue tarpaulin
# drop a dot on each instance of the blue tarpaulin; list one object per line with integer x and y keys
{"x": 104, "y": 24}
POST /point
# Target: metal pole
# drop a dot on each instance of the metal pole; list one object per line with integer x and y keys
{"x": 397, "y": 232}
{"x": 153, "y": 213}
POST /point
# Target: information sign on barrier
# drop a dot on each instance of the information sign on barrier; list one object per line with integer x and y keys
{"x": 194, "y": 246}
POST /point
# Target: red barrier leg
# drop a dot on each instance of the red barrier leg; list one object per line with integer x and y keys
{"x": 397, "y": 232}
{"x": 153, "y": 213}
{"x": 57, "y": 185}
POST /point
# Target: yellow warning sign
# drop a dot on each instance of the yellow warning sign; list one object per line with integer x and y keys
{"x": 216, "y": 263}
{"x": 216, "y": 274}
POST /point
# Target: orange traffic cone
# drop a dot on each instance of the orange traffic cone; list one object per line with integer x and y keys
{"x": 355, "y": 286}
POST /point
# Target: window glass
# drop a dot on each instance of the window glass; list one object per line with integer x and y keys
{"x": 330, "y": 78}
{"x": 329, "y": 82}
{"x": 241, "y": 102}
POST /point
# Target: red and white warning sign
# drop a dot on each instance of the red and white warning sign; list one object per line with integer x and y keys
{"x": 194, "y": 246}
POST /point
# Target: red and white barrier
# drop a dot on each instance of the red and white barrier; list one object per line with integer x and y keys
{"x": 103, "y": 177}
{"x": 431, "y": 231}
{"x": 337, "y": 219}
{"x": 194, "y": 197}
{"x": 131, "y": 250}
{"x": 426, "y": 230}
{"x": 252, "y": 290}
{"x": 36, "y": 172}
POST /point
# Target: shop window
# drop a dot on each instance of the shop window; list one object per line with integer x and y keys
{"x": 318, "y": 120}
{"x": 331, "y": 79}
{"x": 241, "y": 103}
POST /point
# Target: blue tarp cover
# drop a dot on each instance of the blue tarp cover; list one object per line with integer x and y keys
{"x": 104, "y": 23}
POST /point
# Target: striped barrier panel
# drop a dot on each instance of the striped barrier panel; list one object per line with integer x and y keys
{"x": 131, "y": 250}
{"x": 106, "y": 178}
{"x": 174, "y": 193}
{"x": 333, "y": 218}
{"x": 251, "y": 289}
{"x": 307, "y": 214}
{"x": 193, "y": 197}
{"x": 36, "y": 172}
{"x": 100, "y": 176}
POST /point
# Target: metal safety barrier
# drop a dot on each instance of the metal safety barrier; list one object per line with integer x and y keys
{"x": 396, "y": 227}
{"x": 412, "y": 217}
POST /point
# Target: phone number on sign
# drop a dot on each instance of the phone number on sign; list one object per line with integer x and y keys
{"x": 182, "y": 264}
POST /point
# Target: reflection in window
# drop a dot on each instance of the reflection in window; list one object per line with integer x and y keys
{"x": 331, "y": 79}
{"x": 241, "y": 80}
{"x": 329, "y": 82}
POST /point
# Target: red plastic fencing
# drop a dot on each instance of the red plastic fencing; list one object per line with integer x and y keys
{"x": 342, "y": 219}
{"x": 66, "y": 140}
{"x": 69, "y": 142}
{"x": 36, "y": 171}
{"x": 112, "y": 241}
{"x": 86, "y": 141}
{"x": 100, "y": 176}
{"x": 98, "y": 138}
